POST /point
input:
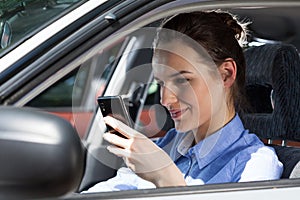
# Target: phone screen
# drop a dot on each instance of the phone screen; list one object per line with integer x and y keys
{"x": 114, "y": 106}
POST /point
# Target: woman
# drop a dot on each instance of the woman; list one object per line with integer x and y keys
{"x": 199, "y": 64}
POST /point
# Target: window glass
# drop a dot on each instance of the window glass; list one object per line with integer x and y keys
{"x": 19, "y": 19}
{"x": 59, "y": 94}
{"x": 73, "y": 97}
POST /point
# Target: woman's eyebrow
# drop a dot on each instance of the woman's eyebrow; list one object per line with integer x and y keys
{"x": 175, "y": 74}
{"x": 156, "y": 79}
{"x": 180, "y": 73}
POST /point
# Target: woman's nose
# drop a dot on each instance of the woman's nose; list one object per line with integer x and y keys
{"x": 167, "y": 96}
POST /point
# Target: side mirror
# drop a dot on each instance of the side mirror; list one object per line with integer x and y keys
{"x": 41, "y": 155}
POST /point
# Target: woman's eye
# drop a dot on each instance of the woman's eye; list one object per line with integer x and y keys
{"x": 181, "y": 80}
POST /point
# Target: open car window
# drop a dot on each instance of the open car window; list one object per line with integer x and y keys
{"x": 145, "y": 116}
{"x": 72, "y": 96}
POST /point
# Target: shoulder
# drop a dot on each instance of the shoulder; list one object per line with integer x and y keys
{"x": 260, "y": 163}
{"x": 255, "y": 161}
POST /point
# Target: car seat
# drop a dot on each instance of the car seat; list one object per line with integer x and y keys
{"x": 275, "y": 68}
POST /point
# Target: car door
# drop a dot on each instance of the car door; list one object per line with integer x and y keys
{"x": 105, "y": 53}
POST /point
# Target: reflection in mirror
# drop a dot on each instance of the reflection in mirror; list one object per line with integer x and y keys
{"x": 5, "y": 31}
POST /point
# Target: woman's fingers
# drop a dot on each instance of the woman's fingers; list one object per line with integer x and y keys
{"x": 121, "y": 127}
{"x": 139, "y": 153}
{"x": 117, "y": 140}
{"x": 118, "y": 151}
{"x": 124, "y": 154}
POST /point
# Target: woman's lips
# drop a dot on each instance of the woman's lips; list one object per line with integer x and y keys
{"x": 177, "y": 113}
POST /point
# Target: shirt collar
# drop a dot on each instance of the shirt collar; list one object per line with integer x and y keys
{"x": 185, "y": 143}
{"x": 211, "y": 147}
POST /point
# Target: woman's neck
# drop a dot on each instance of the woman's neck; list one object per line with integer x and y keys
{"x": 212, "y": 126}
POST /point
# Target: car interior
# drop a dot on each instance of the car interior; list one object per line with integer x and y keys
{"x": 273, "y": 67}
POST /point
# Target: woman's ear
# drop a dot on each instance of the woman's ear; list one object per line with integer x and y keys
{"x": 228, "y": 72}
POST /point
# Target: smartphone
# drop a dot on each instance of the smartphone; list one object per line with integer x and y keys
{"x": 114, "y": 106}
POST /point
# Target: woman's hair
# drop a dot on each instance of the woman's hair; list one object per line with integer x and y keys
{"x": 220, "y": 34}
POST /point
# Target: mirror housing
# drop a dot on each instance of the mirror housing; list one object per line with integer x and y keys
{"x": 41, "y": 154}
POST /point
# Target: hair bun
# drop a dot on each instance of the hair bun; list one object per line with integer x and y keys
{"x": 239, "y": 29}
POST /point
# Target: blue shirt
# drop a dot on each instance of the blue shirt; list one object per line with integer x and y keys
{"x": 231, "y": 154}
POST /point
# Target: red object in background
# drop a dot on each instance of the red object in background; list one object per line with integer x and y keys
{"x": 149, "y": 123}
{"x": 79, "y": 120}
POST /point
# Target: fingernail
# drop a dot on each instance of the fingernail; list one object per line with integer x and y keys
{"x": 105, "y": 136}
{"x": 106, "y": 118}
{"x": 110, "y": 149}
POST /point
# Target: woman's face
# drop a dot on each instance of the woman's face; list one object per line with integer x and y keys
{"x": 192, "y": 94}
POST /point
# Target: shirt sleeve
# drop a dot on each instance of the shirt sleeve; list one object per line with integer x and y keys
{"x": 263, "y": 165}
{"x": 124, "y": 180}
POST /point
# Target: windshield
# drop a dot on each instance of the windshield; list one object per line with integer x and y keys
{"x": 20, "y": 19}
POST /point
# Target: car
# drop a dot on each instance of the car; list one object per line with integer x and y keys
{"x": 52, "y": 74}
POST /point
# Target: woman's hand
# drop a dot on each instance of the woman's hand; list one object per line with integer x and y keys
{"x": 142, "y": 155}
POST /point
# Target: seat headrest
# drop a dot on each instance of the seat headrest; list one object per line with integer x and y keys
{"x": 273, "y": 67}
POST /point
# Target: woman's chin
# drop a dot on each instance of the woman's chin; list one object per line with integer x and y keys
{"x": 185, "y": 126}
{"x": 181, "y": 127}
